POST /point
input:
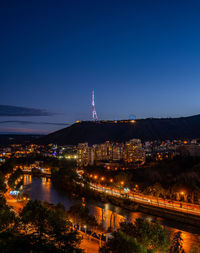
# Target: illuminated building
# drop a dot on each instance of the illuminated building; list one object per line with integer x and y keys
{"x": 103, "y": 151}
{"x": 117, "y": 152}
{"x": 133, "y": 151}
{"x": 85, "y": 155}
{"x": 111, "y": 153}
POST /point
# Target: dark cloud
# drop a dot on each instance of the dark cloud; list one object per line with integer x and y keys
{"x": 9, "y": 110}
{"x": 23, "y": 122}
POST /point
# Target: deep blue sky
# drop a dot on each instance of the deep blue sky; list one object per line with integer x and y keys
{"x": 140, "y": 57}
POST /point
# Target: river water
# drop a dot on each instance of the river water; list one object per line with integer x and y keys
{"x": 106, "y": 214}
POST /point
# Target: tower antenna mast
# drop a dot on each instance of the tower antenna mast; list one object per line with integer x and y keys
{"x": 94, "y": 113}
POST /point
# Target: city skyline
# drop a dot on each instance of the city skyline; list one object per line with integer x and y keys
{"x": 99, "y": 126}
{"x": 141, "y": 59}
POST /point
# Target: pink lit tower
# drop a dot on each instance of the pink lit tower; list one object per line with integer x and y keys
{"x": 94, "y": 113}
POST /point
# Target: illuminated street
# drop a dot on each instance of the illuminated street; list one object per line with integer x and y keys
{"x": 90, "y": 246}
{"x": 107, "y": 215}
{"x": 144, "y": 199}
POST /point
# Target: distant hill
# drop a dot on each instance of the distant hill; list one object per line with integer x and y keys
{"x": 144, "y": 129}
{"x": 8, "y": 139}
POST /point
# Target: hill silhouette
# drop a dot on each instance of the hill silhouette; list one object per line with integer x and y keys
{"x": 9, "y": 139}
{"x": 144, "y": 129}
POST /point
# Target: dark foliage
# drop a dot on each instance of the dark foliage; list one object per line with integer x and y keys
{"x": 37, "y": 229}
{"x": 122, "y": 242}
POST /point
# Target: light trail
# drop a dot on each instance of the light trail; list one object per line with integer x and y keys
{"x": 175, "y": 205}
{"x": 152, "y": 201}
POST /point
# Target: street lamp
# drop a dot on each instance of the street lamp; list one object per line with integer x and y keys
{"x": 182, "y": 194}
{"x": 85, "y": 226}
{"x": 121, "y": 185}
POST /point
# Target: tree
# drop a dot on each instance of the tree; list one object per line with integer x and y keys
{"x": 60, "y": 232}
{"x": 12, "y": 179}
{"x": 151, "y": 235}
{"x": 35, "y": 213}
{"x": 14, "y": 243}
{"x": 81, "y": 215}
{"x": 52, "y": 227}
{"x": 121, "y": 242}
{"x": 2, "y": 183}
{"x": 6, "y": 215}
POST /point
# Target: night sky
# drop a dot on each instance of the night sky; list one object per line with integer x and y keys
{"x": 142, "y": 58}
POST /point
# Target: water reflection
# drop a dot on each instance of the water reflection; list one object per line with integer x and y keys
{"x": 106, "y": 214}
{"x": 107, "y": 218}
{"x": 27, "y": 179}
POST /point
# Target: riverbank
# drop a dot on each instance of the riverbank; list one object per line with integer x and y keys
{"x": 130, "y": 205}
{"x": 156, "y": 211}
{"x": 108, "y": 215}
{"x": 12, "y": 202}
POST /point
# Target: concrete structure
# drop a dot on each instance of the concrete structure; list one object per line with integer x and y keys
{"x": 133, "y": 151}
{"x": 85, "y": 155}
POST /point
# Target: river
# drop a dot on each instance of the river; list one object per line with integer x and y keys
{"x": 106, "y": 214}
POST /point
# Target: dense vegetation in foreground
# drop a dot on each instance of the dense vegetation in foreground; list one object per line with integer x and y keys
{"x": 36, "y": 229}
{"x": 144, "y": 237}
{"x": 42, "y": 228}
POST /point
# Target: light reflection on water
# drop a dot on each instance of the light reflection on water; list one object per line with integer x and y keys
{"x": 106, "y": 214}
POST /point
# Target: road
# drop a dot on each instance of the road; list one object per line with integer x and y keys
{"x": 89, "y": 245}
{"x": 178, "y": 206}
{"x": 17, "y": 206}
{"x": 147, "y": 200}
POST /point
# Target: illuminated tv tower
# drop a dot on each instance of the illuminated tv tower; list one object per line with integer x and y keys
{"x": 94, "y": 113}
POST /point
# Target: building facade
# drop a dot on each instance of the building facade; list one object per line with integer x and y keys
{"x": 130, "y": 152}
